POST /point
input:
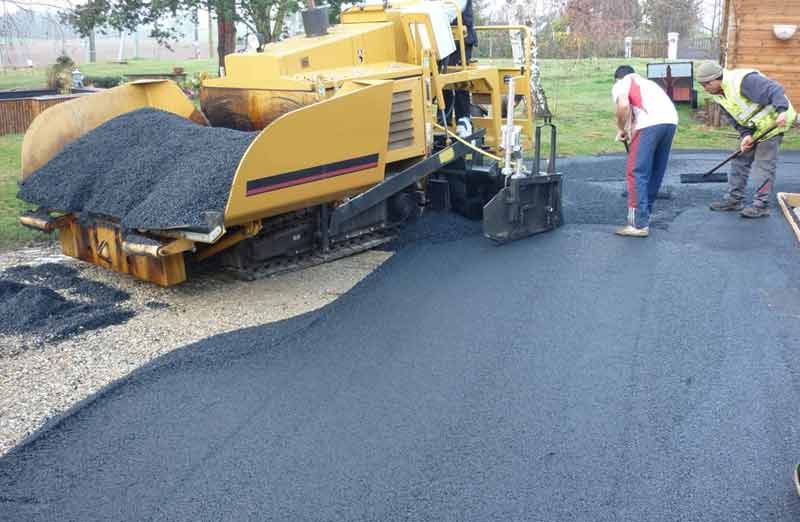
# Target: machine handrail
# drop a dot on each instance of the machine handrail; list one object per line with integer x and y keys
{"x": 460, "y": 30}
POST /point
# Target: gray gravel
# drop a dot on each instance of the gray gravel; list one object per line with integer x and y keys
{"x": 148, "y": 168}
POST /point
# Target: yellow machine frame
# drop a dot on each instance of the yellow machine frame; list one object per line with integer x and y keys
{"x": 335, "y": 127}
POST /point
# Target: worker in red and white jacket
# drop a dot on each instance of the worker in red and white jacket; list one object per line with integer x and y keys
{"x": 645, "y": 108}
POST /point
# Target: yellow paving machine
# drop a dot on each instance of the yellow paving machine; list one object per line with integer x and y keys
{"x": 353, "y": 140}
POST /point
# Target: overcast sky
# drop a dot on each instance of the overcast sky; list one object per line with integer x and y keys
{"x": 10, "y": 6}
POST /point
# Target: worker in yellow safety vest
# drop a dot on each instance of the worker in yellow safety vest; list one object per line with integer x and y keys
{"x": 761, "y": 113}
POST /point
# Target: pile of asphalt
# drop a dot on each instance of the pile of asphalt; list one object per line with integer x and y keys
{"x": 435, "y": 227}
{"x": 30, "y": 304}
{"x": 63, "y": 277}
{"x": 148, "y": 168}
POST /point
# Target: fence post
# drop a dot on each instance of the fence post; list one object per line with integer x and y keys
{"x": 628, "y": 47}
{"x": 672, "y": 49}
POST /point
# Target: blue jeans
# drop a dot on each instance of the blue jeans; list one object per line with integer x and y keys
{"x": 647, "y": 163}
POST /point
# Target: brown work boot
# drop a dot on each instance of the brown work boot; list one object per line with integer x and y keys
{"x": 632, "y": 231}
{"x": 754, "y": 212}
{"x": 727, "y": 205}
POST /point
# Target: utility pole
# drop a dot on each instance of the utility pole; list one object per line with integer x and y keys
{"x": 92, "y": 47}
{"x": 121, "y": 52}
{"x": 210, "y": 33}
{"x": 196, "y": 33}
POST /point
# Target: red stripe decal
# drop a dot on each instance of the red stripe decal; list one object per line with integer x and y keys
{"x": 310, "y": 179}
{"x": 629, "y": 171}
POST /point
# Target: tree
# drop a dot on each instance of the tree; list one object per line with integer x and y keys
{"x": 266, "y": 17}
{"x": 671, "y": 16}
{"x": 260, "y": 16}
{"x": 23, "y": 19}
{"x": 601, "y": 18}
{"x": 598, "y": 26}
{"x": 85, "y": 18}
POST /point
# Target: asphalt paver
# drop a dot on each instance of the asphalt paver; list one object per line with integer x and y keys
{"x": 571, "y": 376}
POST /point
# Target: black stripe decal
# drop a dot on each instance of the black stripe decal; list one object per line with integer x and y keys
{"x": 260, "y": 185}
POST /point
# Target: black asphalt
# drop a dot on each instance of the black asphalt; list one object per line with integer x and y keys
{"x": 573, "y": 376}
{"x": 147, "y": 168}
{"x": 30, "y": 305}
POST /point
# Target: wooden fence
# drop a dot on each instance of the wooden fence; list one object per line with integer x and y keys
{"x": 17, "y": 113}
{"x": 646, "y": 48}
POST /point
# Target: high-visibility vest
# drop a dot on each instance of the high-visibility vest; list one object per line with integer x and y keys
{"x": 746, "y": 112}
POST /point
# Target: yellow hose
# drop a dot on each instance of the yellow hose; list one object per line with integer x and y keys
{"x": 468, "y": 144}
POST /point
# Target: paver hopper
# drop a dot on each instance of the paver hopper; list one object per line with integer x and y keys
{"x": 352, "y": 140}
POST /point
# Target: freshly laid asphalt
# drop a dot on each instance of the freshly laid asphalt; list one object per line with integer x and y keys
{"x": 572, "y": 376}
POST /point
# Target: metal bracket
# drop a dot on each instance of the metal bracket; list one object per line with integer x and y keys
{"x": 551, "y": 163}
{"x": 41, "y": 220}
{"x": 395, "y": 183}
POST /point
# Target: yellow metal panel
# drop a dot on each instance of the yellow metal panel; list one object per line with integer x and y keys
{"x": 62, "y": 124}
{"x": 102, "y": 246}
{"x": 418, "y": 148}
{"x": 379, "y": 45}
{"x": 374, "y": 71}
{"x": 344, "y": 128}
{"x": 363, "y": 14}
{"x": 303, "y": 54}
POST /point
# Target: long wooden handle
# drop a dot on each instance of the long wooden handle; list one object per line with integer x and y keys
{"x": 736, "y": 154}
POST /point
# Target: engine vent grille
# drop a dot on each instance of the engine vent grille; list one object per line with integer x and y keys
{"x": 401, "y": 125}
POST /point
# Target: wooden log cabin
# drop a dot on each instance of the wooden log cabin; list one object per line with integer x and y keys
{"x": 748, "y": 40}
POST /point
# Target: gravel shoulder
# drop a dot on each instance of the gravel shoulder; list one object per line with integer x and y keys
{"x": 39, "y": 380}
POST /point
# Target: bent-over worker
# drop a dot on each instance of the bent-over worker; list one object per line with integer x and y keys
{"x": 644, "y": 106}
{"x": 755, "y": 104}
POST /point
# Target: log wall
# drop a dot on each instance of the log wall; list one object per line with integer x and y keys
{"x": 752, "y": 44}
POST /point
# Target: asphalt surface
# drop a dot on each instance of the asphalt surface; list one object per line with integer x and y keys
{"x": 31, "y": 303}
{"x": 572, "y": 376}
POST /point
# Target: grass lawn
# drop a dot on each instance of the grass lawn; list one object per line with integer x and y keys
{"x": 11, "y": 232}
{"x": 36, "y": 77}
{"x": 579, "y": 92}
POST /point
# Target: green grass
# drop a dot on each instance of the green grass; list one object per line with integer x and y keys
{"x": 37, "y": 77}
{"x": 579, "y": 93}
{"x": 11, "y": 232}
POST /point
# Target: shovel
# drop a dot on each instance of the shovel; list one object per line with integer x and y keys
{"x": 712, "y": 176}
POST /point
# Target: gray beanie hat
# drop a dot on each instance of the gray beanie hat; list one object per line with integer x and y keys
{"x": 708, "y": 71}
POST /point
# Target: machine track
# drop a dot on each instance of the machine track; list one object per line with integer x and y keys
{"x": 338, "y": 250}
